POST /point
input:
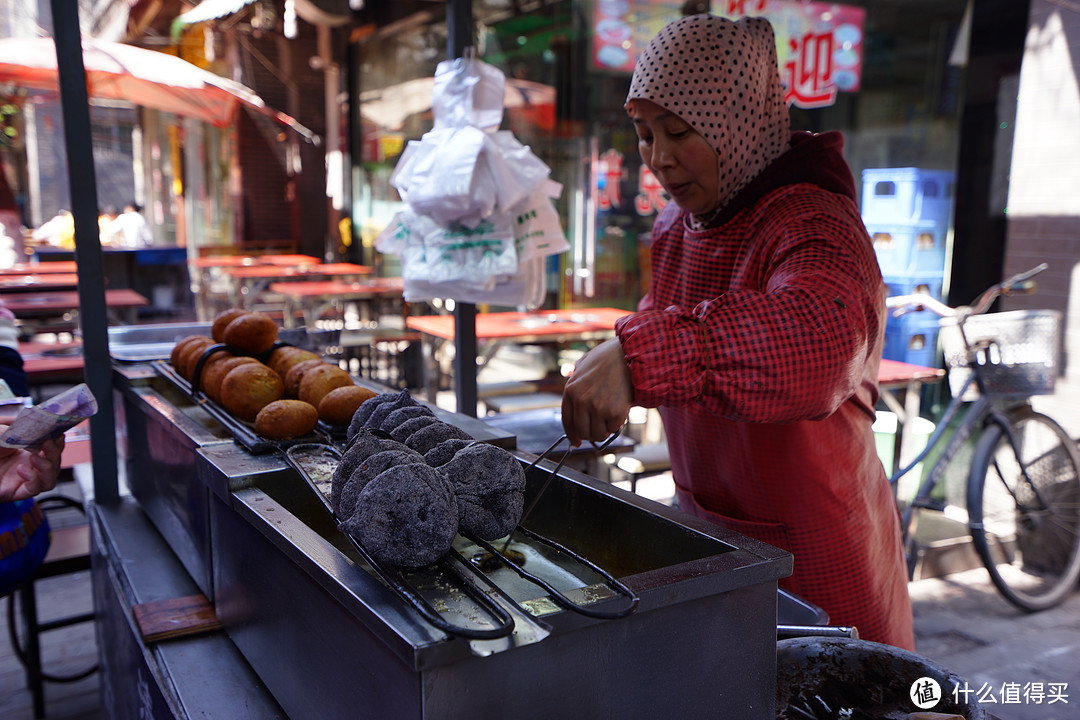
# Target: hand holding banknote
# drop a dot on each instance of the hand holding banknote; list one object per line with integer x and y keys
{"x": 30, "y": 447}
{"x": 24, "y": 473}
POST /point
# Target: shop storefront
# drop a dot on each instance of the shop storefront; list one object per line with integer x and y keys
{"x": 889, "y": 76}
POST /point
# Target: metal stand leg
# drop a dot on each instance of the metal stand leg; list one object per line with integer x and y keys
{"x": 28, "y": 608}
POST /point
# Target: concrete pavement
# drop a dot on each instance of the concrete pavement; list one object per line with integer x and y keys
{"x": 1021, "y": 666}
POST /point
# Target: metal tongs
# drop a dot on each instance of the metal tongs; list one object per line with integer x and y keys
{"x": 557, "y": 597}
{"x": 503, "y": 623}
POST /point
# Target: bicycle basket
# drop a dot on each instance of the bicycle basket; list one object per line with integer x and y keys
{"x": 1022, "y": 360}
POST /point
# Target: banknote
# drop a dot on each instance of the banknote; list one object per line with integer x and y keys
{"x": 36, "y": 424}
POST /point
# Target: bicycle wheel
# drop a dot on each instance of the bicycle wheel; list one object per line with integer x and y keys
{"x": 1024, "y": 510}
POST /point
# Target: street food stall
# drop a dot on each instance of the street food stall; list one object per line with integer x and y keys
{"x": 225, "y": 587}
{"x": 318, "y": 630}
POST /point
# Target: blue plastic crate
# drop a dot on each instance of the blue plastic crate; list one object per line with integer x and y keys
{"x": 912, "y": 338}
{"x": 892, "y": 246}
{"x": 909, "y": 248}
{"x": 907, "y": 195}
{"x": 932, "y": 283}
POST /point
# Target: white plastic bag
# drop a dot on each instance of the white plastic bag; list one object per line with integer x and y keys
{"x": 538, "y": 231}
{"x": 517, "y": 170}
{"x": 445, "y": 179}
{"x": 468, "y": 92}
{"x": 464, "y": 169}
{"x": 475, "y": 256}
{"x": 523, "y": 289}
{"x": 392, "y": 239}
{"x": 479, "y": 220}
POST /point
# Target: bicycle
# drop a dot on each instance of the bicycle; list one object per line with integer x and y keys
{"x": 1023, "y": 485}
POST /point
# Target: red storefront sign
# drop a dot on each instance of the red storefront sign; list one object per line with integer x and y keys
{"x": 819, "y": 45}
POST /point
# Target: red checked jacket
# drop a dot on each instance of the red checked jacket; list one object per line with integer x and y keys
{"x": 759, "y": 341}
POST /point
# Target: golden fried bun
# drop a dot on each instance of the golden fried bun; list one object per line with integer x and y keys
{"x": 253, "y": 333}
{"x": 318, "y": 381}
{"x": 178, "y": 352}
{"x": 286, "y": 356}
{"x": 296, "y": 374}
{"x": 217, "y": 328}
{"x": 191, "y": 354}
{"x": 340, "y": 404}
{"x": 191, "y": 360}
{"x": 249, "y": 388}
{"x": 284, "y": 419}
{"x": 215, "y": 372}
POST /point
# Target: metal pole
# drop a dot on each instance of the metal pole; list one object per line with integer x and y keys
{"x": 80, "y": 160}
{"x": 459, "y": 35}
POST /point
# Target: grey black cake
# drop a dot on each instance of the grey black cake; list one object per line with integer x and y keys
{"x": 364, "y": 445}
{"x": 489, "y": 484}
{"x": 428, "y": 437}
{"x": 368, "y": 407}
{"x": 406, "y": 515}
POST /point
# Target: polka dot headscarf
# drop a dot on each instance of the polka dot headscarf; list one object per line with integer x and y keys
{"x": 722, "y": 78}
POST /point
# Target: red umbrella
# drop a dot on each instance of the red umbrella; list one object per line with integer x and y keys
{"x": 144, "y": 77}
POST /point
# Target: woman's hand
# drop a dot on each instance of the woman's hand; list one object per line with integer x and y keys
{"x": 25, "y": 473}
{"x": 598, "y": 396}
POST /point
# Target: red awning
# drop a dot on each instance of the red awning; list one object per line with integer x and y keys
{"x": 144, "y": 77}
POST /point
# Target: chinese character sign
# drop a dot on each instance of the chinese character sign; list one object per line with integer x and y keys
{"x": 609, "y": 172}
{"x": 820, "y": 51}
{"x": 808, "y": 71}
{"x": 1013, "y": 693}
{"x": 819, "y": 45}
{"x": 650, "y": 198}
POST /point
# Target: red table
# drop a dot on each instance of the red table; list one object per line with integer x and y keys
{"x": 900, "y": 383}
{"x": 59, "y": 309}
{"x": 312, "y": 298}
{"x": 40, "y": 268}
{"x": 590, "y": 325}
{"x": 52, "y": 362}
{"x": 217, "y": 291}
{"x": 33, "y": 282}
{"x": 526, "y": 327}
{"x": 223, "y": 261}
{"x": 248, "y": 283}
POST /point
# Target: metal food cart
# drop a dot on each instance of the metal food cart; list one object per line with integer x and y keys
{"x": 311, "y": 632}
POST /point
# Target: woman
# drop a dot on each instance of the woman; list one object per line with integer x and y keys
{"x": 760, "y": 337}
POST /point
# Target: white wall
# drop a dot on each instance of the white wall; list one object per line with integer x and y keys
{"x": 1044, "y": 185}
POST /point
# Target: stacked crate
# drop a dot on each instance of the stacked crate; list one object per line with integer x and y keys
{"x": 907, "y": 212}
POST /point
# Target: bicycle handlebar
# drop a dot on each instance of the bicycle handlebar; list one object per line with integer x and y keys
{"x": 1019, "y": 284}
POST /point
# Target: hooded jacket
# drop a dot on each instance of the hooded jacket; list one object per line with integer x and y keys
{"x": 759, "y": 341}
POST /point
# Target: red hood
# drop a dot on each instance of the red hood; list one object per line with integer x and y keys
{"x": 816, "y": 159}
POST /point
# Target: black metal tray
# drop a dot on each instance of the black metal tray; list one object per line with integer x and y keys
{"x": 243, "y": 432}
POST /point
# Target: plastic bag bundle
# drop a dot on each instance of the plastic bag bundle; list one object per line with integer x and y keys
{"x": 479, "y": 217}
{"x": 471, "y": 256}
